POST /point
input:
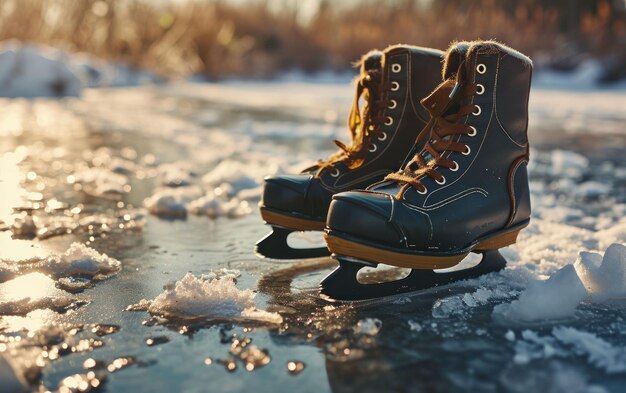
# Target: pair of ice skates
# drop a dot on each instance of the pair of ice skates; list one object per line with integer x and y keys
{"x": 436, "y": 170}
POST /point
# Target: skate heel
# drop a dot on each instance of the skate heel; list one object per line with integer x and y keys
{"x": 499, "y": 241}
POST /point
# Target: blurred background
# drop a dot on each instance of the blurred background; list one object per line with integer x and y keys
{"x": 217, "y": 39}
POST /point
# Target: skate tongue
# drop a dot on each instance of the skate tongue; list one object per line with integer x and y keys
{"x": 440, "y": 99}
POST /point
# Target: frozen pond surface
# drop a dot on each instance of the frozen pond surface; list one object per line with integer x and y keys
{"x": 164, "y": 181}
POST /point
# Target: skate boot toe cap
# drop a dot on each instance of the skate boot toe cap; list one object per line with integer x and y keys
{"x": 365, "y": 215}
{"x": 285, "y": 192}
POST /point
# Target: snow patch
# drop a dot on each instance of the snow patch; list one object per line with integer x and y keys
{"x": 211, "y": 298}
{"x": 566, "y": 342}
{"x": 78, "y": 261}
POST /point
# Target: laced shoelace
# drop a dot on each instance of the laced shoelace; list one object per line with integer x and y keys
{"x": 363, "y": 124}
{"x": 443, "y": 128}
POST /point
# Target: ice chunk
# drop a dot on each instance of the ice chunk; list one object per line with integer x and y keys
{"x": 368, "y": 326}
{"x": 219, "y": 299}
{"x": 604, "y": 276}
{"x": 415, "y": 326}
{"x": 554, "y": 298}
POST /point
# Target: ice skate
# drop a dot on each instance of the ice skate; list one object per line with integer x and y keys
{"x": 466, "y": 191}
{"x": 383, "y": 133}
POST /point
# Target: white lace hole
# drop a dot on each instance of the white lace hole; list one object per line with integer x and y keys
{"x": 422, "y": 192}
{"x": 455, "y": 168}
{"x": 467, "y": 150}
{"x": 477, "y": 111}
{"x": 442, "y": 182}
{"x": 396, "y": 68}
{"x": 372, "y": 148}
{"x": 480, "y": 89}
{"x": 388, "y": 121}
{"x": 473, "y": 131}
{"x": 335, "y": 173}
{"x": 382, "y": 136}
{"x": 392, "y": 104}
{"x": 481, "y": 68}
{"x": 395, "y": 86}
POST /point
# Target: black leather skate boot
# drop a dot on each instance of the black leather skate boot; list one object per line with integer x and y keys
{"x": 391, "y": 84}
{"x": 467, "y": 190}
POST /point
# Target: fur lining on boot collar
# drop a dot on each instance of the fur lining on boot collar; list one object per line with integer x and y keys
{"x": 372, "y": 60}
{"x": 459, "y": 51}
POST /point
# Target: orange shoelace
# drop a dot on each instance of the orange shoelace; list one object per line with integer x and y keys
{"x": 448, "y": 105}
{"x": 363, "y": 124}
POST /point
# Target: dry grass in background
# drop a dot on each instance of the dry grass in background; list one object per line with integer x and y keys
{"x": 217, "y": 39}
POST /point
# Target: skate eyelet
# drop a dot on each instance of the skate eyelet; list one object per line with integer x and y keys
{"x": 388, "y": 121}
{"x": 382, "y": 137}
{"x": 455, "y": 168}
{"x": 442, "y": 182}
{"x": 473, "y": 131}
{"x": 480, "y": 89}
{"x": 467, "y": 150}
{"x": 477, "y": 111}
{"x": 481, "y": 68}
{"x": 396, "y": 68}
{"x": 392, "y": 104}
{"x": 335, "y": 173}
{"x": 422, "y": 192}
{"x": 395, "y": 86}
{"x": 372, "y": 148}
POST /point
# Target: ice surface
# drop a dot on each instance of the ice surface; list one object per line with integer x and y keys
{"x": 210, "y": 298}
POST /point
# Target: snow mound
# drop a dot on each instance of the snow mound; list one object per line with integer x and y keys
{"x": 82, "y": 261}
{"x": 554, "y": 298}
{"x": 592, "y": 276}
{"x": 178, "y": 202}
{"x": 238, "y": 175}
{"x": 171, "y": 202}
{"x": 78, "y": 261}
{"x": 36, "y": 71}
{"x": 211, "y": 298}
{"x": 176, "y": 174}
